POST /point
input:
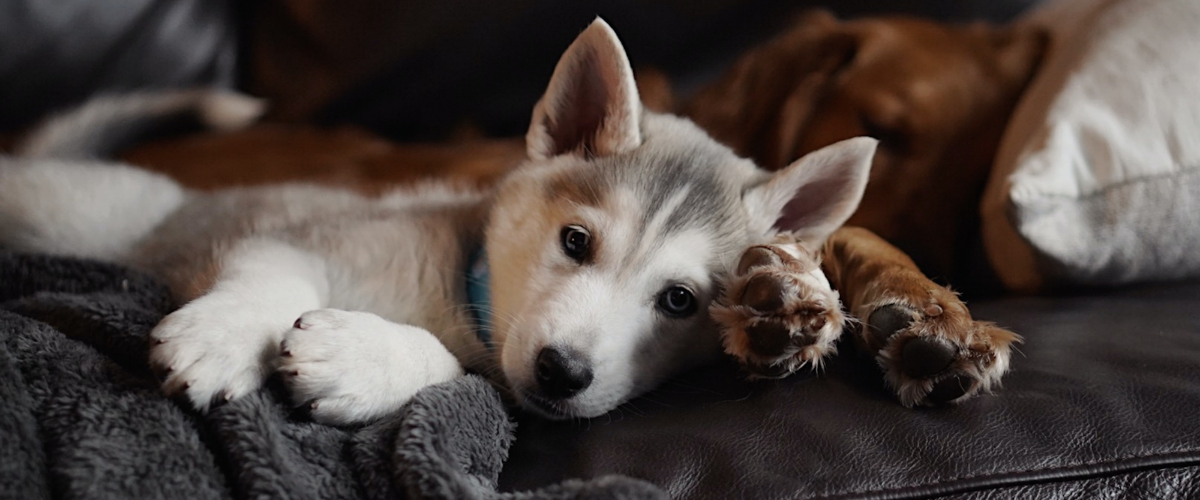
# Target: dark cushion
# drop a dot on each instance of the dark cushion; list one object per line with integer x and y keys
{"x": 420, "y": 71}
{"x": 411, "y": 70}
{"x": 54, "y": 53}
{"x": 1102, "y": 401}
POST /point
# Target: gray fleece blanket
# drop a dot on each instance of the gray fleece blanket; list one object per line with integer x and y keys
{"x": 81, "y": 415}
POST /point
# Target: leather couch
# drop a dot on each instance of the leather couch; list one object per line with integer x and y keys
{"x": 1103, "y": 400}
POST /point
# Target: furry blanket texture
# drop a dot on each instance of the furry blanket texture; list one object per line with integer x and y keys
{"x": 82, "y": 416}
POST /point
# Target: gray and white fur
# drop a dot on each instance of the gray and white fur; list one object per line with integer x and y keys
{"x": 360, "y": 301}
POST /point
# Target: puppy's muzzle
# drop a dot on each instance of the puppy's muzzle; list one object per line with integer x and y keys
{"x": 562, "y": 372}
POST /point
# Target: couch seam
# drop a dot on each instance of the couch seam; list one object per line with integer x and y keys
{"x": 1189, "y": 456}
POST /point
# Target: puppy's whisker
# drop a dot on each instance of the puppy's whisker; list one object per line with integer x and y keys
{"x": 690, "y": 387}
{"x": 632, "y": 408}
{"x": 650, "y": 399}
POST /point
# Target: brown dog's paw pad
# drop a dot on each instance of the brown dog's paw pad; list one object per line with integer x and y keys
{"x": 937, "y": 355}
{"x": 887, "y": 321}
{"x": 926, "y": 356}
{"x": 777, "y": 315}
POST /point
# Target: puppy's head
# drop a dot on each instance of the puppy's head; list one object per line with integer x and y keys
{"x": 608, "y": 244}
{"x": 936, "y": 96}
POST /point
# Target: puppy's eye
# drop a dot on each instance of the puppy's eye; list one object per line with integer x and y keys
{"x": 677, "y": 301}
{"x": 575, "y": 242}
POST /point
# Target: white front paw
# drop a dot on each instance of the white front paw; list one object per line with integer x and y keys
{"x": 215, "y": 350}
{"x": 353, "y": 366}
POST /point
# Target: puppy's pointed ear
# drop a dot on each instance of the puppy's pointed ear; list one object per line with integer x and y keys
{"x": 815, "y": 194}
{"x": 591, "y": 106}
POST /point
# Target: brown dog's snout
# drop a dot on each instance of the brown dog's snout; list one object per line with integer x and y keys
{"x": 562, "y": 373}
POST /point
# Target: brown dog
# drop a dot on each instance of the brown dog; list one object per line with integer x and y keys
{"x": 937, "y": 97}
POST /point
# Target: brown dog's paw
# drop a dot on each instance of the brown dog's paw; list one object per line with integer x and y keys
{"x": 778, "y": 312}
{"x": 936, "y": 354}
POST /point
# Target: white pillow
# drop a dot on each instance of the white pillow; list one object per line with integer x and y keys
{"x": 1097, "y": 180}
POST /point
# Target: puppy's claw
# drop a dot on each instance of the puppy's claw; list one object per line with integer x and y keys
{"x": 160, "y": 371}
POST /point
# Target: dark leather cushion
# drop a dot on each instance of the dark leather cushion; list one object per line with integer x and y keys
{"x": 1102, "y": 401}
{"x": 54, "y": 53}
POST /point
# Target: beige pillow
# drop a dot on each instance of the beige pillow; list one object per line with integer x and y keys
{"x": 1096, "y": 180}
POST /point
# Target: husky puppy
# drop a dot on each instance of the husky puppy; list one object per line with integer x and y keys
{"x": 583, "y": 279}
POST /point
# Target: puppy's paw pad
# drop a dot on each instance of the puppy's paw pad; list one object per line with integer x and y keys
{"x": 778, "y": 311}
{"x": 765, "y": 293}
{"x": 769, "y": 336}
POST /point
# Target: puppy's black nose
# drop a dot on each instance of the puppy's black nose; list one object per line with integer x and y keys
{"x": 562, "y": 373}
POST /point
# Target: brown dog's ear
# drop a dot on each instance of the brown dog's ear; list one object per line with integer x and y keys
{"x": 591, "y": 106}
{"x": 816, "y": 19}
{"x": 760, "y": 105}
{"x": 815, "y": 195}
{"x": 1019, "y": 50}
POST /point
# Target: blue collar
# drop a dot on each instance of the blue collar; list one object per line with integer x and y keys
{"x": 479, "y": 295}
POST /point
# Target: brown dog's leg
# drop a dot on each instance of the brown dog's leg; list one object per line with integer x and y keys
{"x": 780, "y": 314}
{"x": 922, "y": 335}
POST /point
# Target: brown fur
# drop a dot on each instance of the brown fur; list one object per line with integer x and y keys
{"x": 936, "y": 96}
{"x": 870, "y": 273}
{"x": 344, "y": 156}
